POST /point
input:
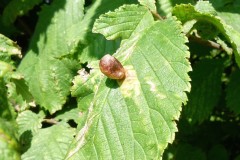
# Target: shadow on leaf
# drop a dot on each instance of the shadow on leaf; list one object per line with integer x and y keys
{"x": 25, "y": 140}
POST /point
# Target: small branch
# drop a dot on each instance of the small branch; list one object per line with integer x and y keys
{"x": 205, "y": 42}
{"x": 50, "y": 121}
{"x": 157, "y": 16}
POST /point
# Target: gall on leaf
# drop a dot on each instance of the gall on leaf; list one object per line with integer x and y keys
{"x": 111, "y": 67}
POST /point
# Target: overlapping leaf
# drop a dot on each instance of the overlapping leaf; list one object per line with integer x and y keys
{"x": 46, "y": 70}
{"x": 29, "y": 121}
{"x": 8, "y": 48}
{"x": 123, "y": 22}
{"x": 50, "y": 143}
{"x": 5, "y": 109}
{"x": 94, "y": 46}
{"x": 229, "y": 15}
{"x": 229, "y": 12}
{"x": 149, "y": 4}
{"x": 73, "y": 114}
{"x": 20, "y": 88}
{"x": 50, "y": 83}
{"x": 133, "y": 118}
{"x": 203, "y": 11}
{"x": 84, "y": 87}
{"x": 164, "y": 7}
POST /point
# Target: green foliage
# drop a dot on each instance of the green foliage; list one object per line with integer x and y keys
{"x": 149, "y": 4}
{"x": 9, "y": 147}
{"x": 179, "y": 98}
{"x": 204, "y": 12}
{"x": 144, "y": 97}
{"x": 29, "y": 121}
{"x": 123, "y": 22}
{"x": 47, "y": 58}
{"x": 233, "y": 91}
{"x": 205, "y": 92}
{"x": 17, "y": 8}
{"x": 53, "y": 143}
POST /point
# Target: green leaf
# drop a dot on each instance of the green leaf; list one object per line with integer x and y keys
{"x": 19, "y": 101}
{"x": 229, "y": 15}
{"x": 206, "y": 89}
{"x": 229, "y": 12}
{"x": 5, "y": 68}
{"x": 204, "y": 12}
{"x": 164, "y": 7}
{"x": 50, "y": 83}
{"x": 149, "y": 4}
{"x": 27, "y": 65}
{"x": 50, "y": 143}
{"x": 220, "y": 3}
{"x": 73, "y": 114}
{"x": 54, "y": 19}
{"x": 17, "y": 8}
{"x": 48, "y": 67}
{"x": 205, "y": 7}
{"x": 9, "y": 148}
{"x": 22, "y": 88}
{"x": 83, "y": 88}
{"x": 123, "y": 22}
{"x": 233, "y": 90}
{"x": 6, "y": 111}
{"x": 8, "y": 48}
{"x": 134, "y": 119}
{"x": 29, "y": 121}
{"x": 94, "y": 46}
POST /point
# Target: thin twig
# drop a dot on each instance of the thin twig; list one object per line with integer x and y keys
{"x": 50, "y": 121}
{"x": 205, "y": 42}
{"x": 156, "y": 15}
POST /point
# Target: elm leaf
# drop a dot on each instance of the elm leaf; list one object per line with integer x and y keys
{"x": 48, "y": 66}
{"x": 123, "y": 22}
{"x": 134, "y": 118}
{"x": 50, "y": 143}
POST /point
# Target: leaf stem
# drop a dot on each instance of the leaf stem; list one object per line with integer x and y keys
{"x": 156, "y": 15}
